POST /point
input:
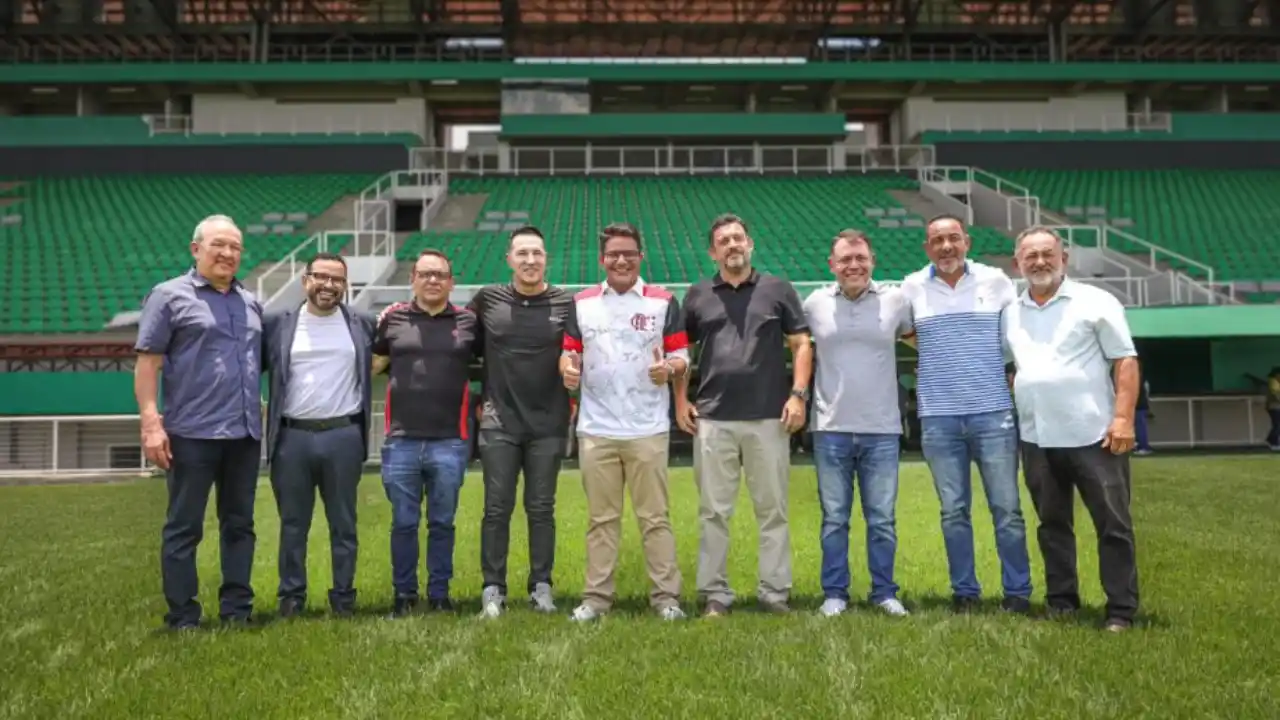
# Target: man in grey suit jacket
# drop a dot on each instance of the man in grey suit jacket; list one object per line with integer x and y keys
{"x": 319, "y": 358}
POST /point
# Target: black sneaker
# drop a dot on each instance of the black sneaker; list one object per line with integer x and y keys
{"x": 965, "y": 604}
{"x": 291, "y": 607}
{"x": 342, "y": 611}
{"x": 1016, "y": 605}
{"x": 1060, "y": 611}
{"x": 404, "y": 606}
{"x": 443, "y": 604}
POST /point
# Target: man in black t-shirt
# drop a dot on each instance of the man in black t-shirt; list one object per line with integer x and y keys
{"x": 524, "y": 416}
{"x": 427, "y": 346}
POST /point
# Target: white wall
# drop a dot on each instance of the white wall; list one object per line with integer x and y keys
{"x": 1091, "y": 112}
{"x": 223, "y": 114}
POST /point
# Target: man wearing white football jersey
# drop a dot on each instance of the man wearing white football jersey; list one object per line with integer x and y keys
{"x": 966, "y": 411}
{"x": 624, "y": 341}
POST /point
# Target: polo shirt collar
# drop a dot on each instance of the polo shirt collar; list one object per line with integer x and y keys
{"x": 201, "y": 281}
{"x": 717, "y": 280}
{"x": 637, "y": 289}
{"x": 1065, "y": 292}
{"x": 448, "y": 311}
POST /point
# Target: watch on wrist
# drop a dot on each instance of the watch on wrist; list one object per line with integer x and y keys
{"x": 802, "y": 394}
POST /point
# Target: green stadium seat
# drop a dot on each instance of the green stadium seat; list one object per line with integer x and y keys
{"x": 89, "y": 248}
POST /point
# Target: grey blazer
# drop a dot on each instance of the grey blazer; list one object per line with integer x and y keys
{"x": 278, "y": 329}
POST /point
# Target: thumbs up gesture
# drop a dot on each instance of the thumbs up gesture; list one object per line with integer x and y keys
{"x": 659, "y": 370}
{"x": 572, "y": 370}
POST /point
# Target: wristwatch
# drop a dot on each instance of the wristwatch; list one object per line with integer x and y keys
{"x": 802, "y": 394}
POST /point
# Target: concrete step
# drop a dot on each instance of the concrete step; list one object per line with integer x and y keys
{"x": 460, "y": 212}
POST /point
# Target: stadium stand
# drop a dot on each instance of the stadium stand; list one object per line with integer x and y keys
{"x": 61, "y": 131}
{"x": 121, "y": 235}
{"x": 1224, "y": 218}
{"x": 792, "y": 219}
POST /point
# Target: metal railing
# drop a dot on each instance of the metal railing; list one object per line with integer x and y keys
{"x": 1190, "y": 282}
{"x": 276, "y": 277}
{"x": 97, "y": 445}
{"x": 256, "y": 124}
{"x": 1049, "y": 121}
{"x": 168, "y": 124}
{"x": 591, "y": 159}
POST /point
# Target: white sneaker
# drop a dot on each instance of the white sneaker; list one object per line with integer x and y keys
{"x": 832, "y": 607}
{"x": 893, "y": 607}
{"x": 584, "y": 613}
{"x": 541, "y": 600}
{"x": 492, "y": 603}
{"x": 671, "y": 612}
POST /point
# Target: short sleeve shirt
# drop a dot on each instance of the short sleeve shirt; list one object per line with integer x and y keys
{"x": 619, "y": 336}
{"x": 855, "y": 346}
{"x": 1063, "y": 351}
{"x": 429, "y": 392}
{"x": 741, "y": 333}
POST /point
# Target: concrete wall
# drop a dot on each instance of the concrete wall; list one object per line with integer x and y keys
{"x": 233, "y": 114}
{"x": 202, "y": 160}
{"x": 1093, "y": 112}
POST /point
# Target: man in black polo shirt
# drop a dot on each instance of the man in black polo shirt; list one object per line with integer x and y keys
{"x": 524, "y": 418}
{"x": 428, "y": 346}
{"x": 746, "y": 407}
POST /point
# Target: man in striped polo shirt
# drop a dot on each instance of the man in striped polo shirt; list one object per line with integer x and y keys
{"x": 965, "y": 409}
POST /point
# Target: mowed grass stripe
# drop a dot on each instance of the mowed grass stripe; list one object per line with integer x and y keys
{"x": 81, "y": 607}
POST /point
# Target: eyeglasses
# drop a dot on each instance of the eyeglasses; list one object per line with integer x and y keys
{"x": 621, "y": 255}
{"x": 327, "y": 279}
{"x": 432, "y": 275}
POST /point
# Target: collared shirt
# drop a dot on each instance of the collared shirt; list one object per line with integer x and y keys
{"x": 429, "y": 391}
{"x": 1063, "y": 351}
{"x": 322, "y": 375}
{"x": 522, "y": 338}
{"x": 618, "y": 335}
{"x": 856, "y": 375}
{"x": 211, "y": 342}
{"x": 741, "y": 333}
{"x": 961, "y": 365}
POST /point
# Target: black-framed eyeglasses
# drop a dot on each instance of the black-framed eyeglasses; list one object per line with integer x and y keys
{"x": 616, "y": 255}
{"x": 327, "y": 279}
{"x": 429, "y": 275}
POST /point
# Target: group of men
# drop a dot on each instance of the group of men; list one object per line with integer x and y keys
{"x": 623, "y": 347}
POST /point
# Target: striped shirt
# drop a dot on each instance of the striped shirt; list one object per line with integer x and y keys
{"x": 961, "y": 365}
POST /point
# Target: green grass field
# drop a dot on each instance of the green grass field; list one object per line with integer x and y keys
{"x": 81, "y": 610}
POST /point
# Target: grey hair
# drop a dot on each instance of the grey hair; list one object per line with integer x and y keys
{"x": 1037, "y": 230}
{"x": 203, "y": 225}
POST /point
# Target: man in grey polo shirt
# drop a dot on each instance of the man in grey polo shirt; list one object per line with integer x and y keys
{"x": 201, "y": 332}
{"x": 1075, "y": 386}
{"x": 856, "y": 421}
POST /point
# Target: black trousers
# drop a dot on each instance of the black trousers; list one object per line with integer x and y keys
{"x": 197, "y": 467}
{"x": 329, "y": 461}
{"x": 503, "y": 457}
{"x": 1053, "y": 474}
{"x": 1273, "y": 437}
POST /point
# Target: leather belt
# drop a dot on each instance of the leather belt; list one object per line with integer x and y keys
{"x": 320, "y": 425}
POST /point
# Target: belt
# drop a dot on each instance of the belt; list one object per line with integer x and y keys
{"x": 320, "y": 425}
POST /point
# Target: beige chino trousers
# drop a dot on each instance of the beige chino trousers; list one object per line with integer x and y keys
{"x": 609, "y": 468}
{"x": 723, "y": 449}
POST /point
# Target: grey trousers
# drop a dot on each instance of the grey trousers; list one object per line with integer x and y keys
{"x": 329, "y": 461}
{"x": 723, "y": 450}
{"x": 504, "y": 458}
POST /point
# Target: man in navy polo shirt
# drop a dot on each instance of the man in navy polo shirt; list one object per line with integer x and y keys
{"x": 199, "y": 340}
{"x": 427, "y": 345}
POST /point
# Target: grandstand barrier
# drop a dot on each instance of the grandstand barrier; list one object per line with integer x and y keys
{"x": 168, "y": 124}
{"x": 1170, "y": 277}
{"x": 318, "y": 124}
{"x": 1053, "y": 122}
{"x": 101, "y": 445}
{"x": 375, "y": 207}
{"x": 589, "y": 159}
{"x": 277, "y": 277}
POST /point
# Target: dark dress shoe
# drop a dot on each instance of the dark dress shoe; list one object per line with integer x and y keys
{"x": 291, "y": 607}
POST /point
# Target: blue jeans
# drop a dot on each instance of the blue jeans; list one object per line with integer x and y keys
{"x": 872, "y": 460}
{"x": 410, "y": 469}
{"x": 1140, "y": 430}
{"x": 950, "y": 444}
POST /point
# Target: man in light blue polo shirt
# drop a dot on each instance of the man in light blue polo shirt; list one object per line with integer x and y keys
{"x": 965, "y": 409}
{"x": 856, "y": 422}
{"x": 1076, "y": 387}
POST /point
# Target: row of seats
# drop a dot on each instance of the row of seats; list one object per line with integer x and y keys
{"x": 88, "y": 248}
{"x": 97, "y": 130}
{"x": 1222, "y": 218}
{"x": 791, "y": 219}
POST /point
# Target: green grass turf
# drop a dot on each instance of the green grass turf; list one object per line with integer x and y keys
{"x": 81, "y": 606}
